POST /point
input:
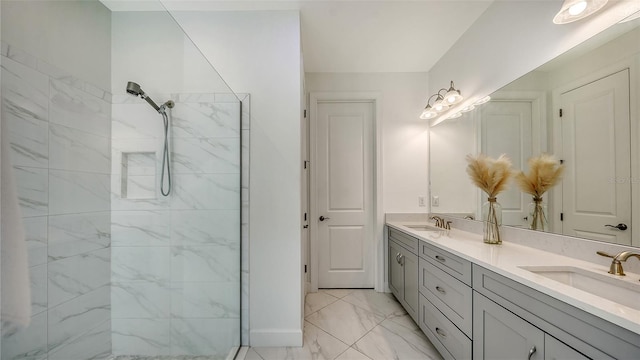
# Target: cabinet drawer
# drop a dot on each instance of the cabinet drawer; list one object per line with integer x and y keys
{"x": 445, "y": 336}
{"x": 453, "y": 265}
{"x": 405, "y": 240}
{"x": 452, "y": 297}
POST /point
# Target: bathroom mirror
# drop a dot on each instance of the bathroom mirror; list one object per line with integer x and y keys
{"x": 594, "y": 81}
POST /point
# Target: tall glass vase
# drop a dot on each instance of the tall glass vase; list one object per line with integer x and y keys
{"x": 538, "y": 215}
{"x": 492, "y": 217}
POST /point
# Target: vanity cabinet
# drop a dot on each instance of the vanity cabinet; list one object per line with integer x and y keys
{"x": 516, "y": 317}
{"x": 503, "y": 335}
{"x": 470, "y": 312}
{"x": 445, "y": 314}
{"x": 403, "y": 270}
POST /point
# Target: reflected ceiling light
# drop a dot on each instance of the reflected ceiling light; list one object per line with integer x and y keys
{"x": 443, "y": 99}
{"x": 468, "y": 108}
{"x": 631, "y": 17}
{"x": 483, "y": 100}
{"x": 573, "y": 10}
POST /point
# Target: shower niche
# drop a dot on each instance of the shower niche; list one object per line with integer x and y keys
{"x": 138, "y": 175}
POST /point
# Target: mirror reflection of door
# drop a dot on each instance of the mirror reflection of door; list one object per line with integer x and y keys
{"x": 596, "y": 152}
{"x": 506, "y": 128}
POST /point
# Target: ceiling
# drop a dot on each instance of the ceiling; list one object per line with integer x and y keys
{"x": 358, "y": 35}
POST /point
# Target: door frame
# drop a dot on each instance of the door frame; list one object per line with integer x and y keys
{"x": 633, "y": 64}
{"x": 377, "y": 211}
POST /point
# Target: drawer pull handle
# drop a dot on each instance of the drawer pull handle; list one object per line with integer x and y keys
{"x": 438, "y": 257}
{"x": 441, "y": 332}
{"x": 440, "y": 290}
{"x": 532, "y": 351}
{"x": 398, "y": 258}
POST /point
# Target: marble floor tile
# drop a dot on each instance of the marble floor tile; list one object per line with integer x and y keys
{"x": 380, "y": 303}
{"x": 354, "y": 318}
{"x": 316, "y": 301}
{"x": 404, "y": 320}
{"x": 252, "y": 355}
{"x": 345, "y": 321}
{"x": 352, "y": 354}
{"x": 391, "y": 340}
{"x": 339, "y": 293}
{"x": 317, "y": 345}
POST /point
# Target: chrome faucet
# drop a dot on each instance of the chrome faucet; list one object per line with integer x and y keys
{"x": 441, "y": 223}
{"x": 616, "y": 263}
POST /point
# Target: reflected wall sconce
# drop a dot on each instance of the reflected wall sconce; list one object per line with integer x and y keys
{"x": 573, "y": 10}
{"x": 631, "y": 17}
{"x": 450, "y": 97}
{"x": 484, "y": 100}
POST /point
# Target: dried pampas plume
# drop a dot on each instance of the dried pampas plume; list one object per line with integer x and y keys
{"x": 544, "y": 173}
{"x": 490, "y": 175}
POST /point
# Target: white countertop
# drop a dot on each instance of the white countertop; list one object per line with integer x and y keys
{"x": 507, "y": 258}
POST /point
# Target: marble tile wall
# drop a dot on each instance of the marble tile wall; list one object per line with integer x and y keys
{"x": 176, "y": 260}
{"x": 60, "y": 135}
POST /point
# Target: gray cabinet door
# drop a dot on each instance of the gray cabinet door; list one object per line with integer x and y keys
{"x": 555, "y": 349}
{"x": 498, "y": 334}
{"x": 410, "y": 265}
{"x": 396, "y": 273}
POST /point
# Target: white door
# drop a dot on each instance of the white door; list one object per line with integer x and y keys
{"x": 596, "y": 152}
{"x": 344, "y": 178}
{"x": 507, "y": 129}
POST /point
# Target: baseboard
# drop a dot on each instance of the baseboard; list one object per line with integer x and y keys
{"x": 276, "y": 337}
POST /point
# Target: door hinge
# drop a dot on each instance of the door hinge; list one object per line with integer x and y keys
{"x": 560, "y": 112}
{"x": 305, "y": 113}
{"x": 306, "y": 162}
{"x": 305, "y": 269}
{"x": 561, "y": 216}
{"x": 305, "y": 216}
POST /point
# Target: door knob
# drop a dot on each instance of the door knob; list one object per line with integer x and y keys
{"x": 620, "y": 226}
{"x": 322, "y": 218}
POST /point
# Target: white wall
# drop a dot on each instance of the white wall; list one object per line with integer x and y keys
{"x": 61, "y": 27}
{"x": 151, "y": 49}
{"x": 512, "y": 38}
{"x": 451, "y": 141}
{"x": 259, "y": 53}
{"x": 405, "y": 138}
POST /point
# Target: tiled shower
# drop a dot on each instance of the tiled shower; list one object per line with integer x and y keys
{"x": 116, "y": 268}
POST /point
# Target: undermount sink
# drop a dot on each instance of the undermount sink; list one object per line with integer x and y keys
{"x": 622, "y": 290}
{"x": 423, "y": 228}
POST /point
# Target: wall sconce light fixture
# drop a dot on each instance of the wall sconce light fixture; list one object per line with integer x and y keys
{"x": 573, "y": 10}
{"x": 450, "y": 97}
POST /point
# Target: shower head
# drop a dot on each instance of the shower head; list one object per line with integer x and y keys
{"x": 135, "y": 90}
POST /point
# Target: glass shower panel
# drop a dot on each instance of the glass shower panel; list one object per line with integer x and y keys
{"x": 175, "y": 259}
{"x": 114, "y": 268}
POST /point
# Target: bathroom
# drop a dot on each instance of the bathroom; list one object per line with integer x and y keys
{"x": 94, "y": 167}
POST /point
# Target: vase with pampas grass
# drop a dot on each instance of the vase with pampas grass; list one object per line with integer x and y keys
{"x": 492, "y": 177}
{"x": 545, "y": 171}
